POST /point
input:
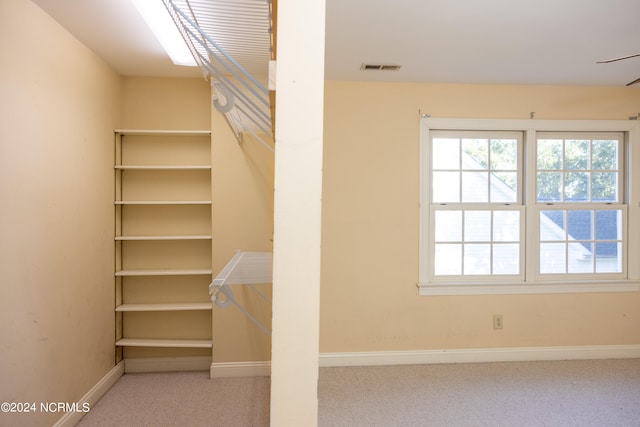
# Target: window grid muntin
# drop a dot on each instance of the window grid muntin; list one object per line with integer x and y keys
{"x": 593, "y": 138}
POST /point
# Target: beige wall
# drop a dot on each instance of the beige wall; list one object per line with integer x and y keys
{"x": 165, "y": 103}
{"x": 58, "y": 107}
{"x": 242, "y": 186}
{"x": 369, "y": 298}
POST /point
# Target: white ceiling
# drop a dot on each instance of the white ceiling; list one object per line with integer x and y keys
{"x": 439, "y": 41}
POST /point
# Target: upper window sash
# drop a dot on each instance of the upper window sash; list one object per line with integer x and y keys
{"x": 574, "y": 167}
{"x": 476, "y": 167}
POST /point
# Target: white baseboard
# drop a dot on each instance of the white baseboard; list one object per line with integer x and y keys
{"x": 70, "y": 419}
{"x": 240, "y": 369}
{"x": 479, "y": 355}
{"x": 426, "y": 357}
{"x": 167, "y": 364}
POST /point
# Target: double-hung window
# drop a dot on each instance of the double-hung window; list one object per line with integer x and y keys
{"x": 476, "y": 205}
{"x": 513, "y": 206}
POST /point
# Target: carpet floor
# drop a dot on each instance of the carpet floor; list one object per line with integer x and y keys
{"x": 584, "y": 393}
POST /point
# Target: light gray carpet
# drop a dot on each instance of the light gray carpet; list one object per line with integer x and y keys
{"x": 578, "y": 393}
{"x": 185, "y": 399}
{"x": 602, "y": 393}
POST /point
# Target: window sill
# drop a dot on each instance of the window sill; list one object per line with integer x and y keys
{"x": 519, "y": 288}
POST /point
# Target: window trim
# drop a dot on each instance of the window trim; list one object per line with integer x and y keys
{"x": 533, "y": 284}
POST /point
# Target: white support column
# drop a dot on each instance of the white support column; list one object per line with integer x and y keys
{"x": 297, "y": 213}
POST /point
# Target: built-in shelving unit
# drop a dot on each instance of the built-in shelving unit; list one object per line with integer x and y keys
{"x": 163, "y": 242}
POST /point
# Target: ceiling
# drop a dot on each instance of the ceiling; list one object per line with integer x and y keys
{"x": 554, "y": 42}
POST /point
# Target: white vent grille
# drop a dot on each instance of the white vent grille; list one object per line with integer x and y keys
{"x": 380, "y": 67}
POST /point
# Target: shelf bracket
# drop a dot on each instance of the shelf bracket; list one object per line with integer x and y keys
{"x": 244, "y": 268}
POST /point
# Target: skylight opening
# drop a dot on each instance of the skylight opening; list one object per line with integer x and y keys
{"x": 158, "y": 19}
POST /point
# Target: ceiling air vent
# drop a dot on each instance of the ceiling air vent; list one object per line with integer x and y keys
{"x": 380, "y": 67}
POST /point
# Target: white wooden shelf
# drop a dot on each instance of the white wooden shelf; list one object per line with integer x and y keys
{"x": 185, "y": 306}
{"x": 162, "y": 202}
{"x": 143, "y": 238}
{"x": 147, "y": 342}
{"x": 162, "y": 132}
{"x": 162, "y": 168}
{"x": 165, "y": 272}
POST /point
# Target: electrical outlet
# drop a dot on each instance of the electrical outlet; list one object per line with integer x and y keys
{"x": 497, "y": 321}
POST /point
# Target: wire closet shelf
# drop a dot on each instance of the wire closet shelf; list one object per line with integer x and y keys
{"x": 230, "y": 39}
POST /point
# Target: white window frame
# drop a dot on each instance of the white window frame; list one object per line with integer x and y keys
{"x": 533, "y": 283}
